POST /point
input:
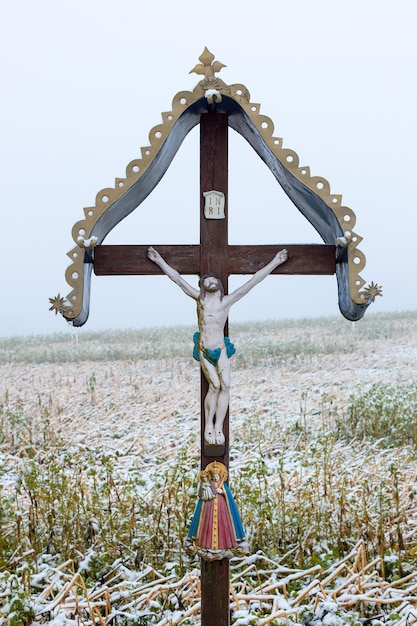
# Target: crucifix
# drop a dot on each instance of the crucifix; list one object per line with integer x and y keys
{"x": 215, "y": 256}
{"x": 215, "y": 106}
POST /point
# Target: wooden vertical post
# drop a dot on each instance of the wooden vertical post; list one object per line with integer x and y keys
{"x": 214, "y": 259}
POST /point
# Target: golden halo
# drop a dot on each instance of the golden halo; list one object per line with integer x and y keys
{"x": 218, "y": 468}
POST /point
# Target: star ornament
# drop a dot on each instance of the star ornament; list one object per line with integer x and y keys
{"x": 57, "y": 304}
{"x": 372, "y": 291}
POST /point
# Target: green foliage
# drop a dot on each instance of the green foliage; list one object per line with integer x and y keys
{"x": 17, "y": 607}
{"x": 301, "y": 500}
{"x": 385, "y": 412}
{"x": 77, "y": 503}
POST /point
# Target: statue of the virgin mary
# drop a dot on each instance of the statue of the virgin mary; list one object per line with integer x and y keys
{"x": 216, "y": 530}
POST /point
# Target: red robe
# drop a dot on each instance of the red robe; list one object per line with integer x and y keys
{"x": 216, "y": 529}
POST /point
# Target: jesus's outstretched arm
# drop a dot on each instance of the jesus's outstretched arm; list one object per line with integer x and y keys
{"x": 236, "y": 295}
{"x": 172, "y": 273}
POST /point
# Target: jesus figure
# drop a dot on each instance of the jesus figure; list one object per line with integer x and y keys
{"x": 212, "y": 348}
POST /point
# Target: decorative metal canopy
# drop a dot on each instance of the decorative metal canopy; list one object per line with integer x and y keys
{"x": 310, "y": 194}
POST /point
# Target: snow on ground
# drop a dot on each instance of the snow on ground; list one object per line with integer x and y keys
{"x": 144, "y": 409}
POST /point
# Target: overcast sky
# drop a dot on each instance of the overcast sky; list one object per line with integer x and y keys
{"x": 83, "y": 83}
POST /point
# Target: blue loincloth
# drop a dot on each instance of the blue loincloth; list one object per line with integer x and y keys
{"x": 212, "y": 356}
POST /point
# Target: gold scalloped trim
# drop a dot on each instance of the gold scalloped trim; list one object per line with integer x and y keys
{"x": 157, "y": 136}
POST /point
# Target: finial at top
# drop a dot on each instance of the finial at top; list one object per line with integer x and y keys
{"x": 208, "y": 66}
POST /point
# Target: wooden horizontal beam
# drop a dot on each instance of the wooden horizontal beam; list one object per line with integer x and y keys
{"x": 133, "y": 260}
{"x": 302, "y": 259}
{"x": 118, "y": 260}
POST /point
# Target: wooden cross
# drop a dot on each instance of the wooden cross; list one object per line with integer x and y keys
{"x": 214, "y": 255}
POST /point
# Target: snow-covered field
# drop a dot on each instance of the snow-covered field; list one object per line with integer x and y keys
{"x": 99, "y": 449}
